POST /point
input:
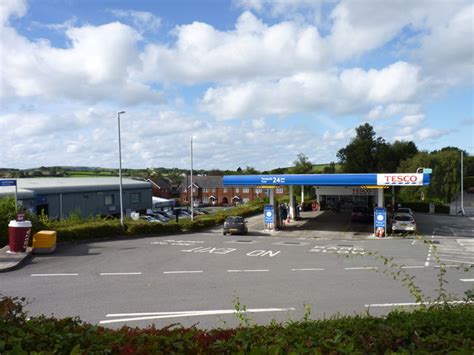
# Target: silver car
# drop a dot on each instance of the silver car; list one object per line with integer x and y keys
{"x": 403, "y": 222}
{"x": 405, "y": 210}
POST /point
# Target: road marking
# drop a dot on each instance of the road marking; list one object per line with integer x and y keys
{"x": 450, "y": 265}
{"x": 415, "y": 303}
{"x": 119, "y": 273}
{"x": 269, "y": 253}
{"x": 314, "y": 269}
{"x": 467, "y": 280}
{"x": 469, "y": 255}
{"x": 427, "y": 262}
{"x": 362, "y": 268}
{"x": 162, "y": 315}
{"x": 261, "y": 270}
{"x": 413, "y": 267}
{"x": 183, "y": 272}
{"x": 54, "y": 274}
{"x": 457, "y": 261}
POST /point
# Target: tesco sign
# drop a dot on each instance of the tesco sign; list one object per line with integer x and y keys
{"x": 400, "y": 179}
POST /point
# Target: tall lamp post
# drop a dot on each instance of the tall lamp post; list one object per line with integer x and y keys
{"x": 192, "y": 187}
{"x": 120, "y": 167}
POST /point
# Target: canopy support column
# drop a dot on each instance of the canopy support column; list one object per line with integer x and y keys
{"x": 292, "y": 204}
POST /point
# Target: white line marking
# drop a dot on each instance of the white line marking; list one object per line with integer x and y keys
{"x": 54, "y": 274}
{"x": 467, "y": 255}
{"x": 119, "y": 273}
{"x": 315, "y": 269}
{"x": 450, "y": 265}
{"x": 457, "y": 261}
{"x": 362, "y": 268}
{"x": 183, "y": 272}
{"x": 414, "y": 303}
{"x": 467, "y": 280}
{"x": 262, "y": 270}
{"x": 413, "y": 267}
{"x": 161, "y": 315}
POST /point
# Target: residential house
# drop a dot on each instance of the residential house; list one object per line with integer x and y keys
{"x": 210, "y": 190}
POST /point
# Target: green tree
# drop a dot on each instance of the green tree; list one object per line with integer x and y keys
{"x": 368, "y": 153}
{"x": 445, "y": 179}
{"x": 359, "y": 156}
{"x": 301, "y": 165}
{"x": 331, "y": 169}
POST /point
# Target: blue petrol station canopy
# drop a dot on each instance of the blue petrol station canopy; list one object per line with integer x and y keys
{"x": 399, "y": 179}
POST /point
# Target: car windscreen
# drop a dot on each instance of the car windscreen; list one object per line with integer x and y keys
{"x": 403, "y": 218}
{"x": 234, "y": 219}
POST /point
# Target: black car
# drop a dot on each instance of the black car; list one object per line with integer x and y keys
{"x": 235, "y": 224}
{"x": 360, "y": 214}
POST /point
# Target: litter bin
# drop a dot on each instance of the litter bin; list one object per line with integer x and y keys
{"x": 18, "y": 235}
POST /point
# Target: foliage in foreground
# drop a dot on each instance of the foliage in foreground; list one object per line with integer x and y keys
{"x": 441, "y": 329}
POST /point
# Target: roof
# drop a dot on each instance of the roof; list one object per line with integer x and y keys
{"x": 162, "y": 183}
{"x": 58, "y": 185}
{"x": 203, "y": 182}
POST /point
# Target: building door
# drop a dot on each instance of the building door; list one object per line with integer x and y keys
{"x": 44, "y": 208}
{"x": 225, "y": 201}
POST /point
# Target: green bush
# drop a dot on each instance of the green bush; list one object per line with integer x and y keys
{"x": 87, "y": 230}
{"x": 441, "y": 329}
{"x": 143, "y": 227}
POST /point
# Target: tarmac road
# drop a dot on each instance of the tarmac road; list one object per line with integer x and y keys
{"x": 199, "y": 278}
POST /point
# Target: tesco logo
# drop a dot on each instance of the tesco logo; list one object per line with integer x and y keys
{"x": 401, "y": 178}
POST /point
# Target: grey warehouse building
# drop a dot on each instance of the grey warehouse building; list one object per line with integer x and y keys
{"x": 59, "y": 197}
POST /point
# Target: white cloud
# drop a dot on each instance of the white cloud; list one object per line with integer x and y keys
{"x": 96, "y": 66}
{"x": 412, "y": 120}
{"x": 448, "y": 51}
{"x": 143, "y": 20}
{"x": 253, "y": 49}
{"x": 350, "y": 91}
{"x": 11, "y": 8}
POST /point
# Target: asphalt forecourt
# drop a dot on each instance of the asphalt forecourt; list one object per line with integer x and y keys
{"x": 202, "y": 278}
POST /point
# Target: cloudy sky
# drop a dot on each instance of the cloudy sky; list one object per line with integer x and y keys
{"x": 255, "y": 81}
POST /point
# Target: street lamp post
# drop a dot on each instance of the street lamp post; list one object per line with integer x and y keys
{"x": 120, "y": 167}
{"x": 192, "y": 187}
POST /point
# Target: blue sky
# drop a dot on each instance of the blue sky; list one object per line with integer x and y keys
{"x": 254, "y": 81}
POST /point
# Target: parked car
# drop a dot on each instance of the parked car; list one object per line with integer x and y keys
{"x": 470, "y": 190}
{"x": 403, "y": 222}
{"x": 150, "y": 219}
{"x": 235, "y": 224}
{"x": 360, "y": 214}
{"x": 159, "y": 217}
{"x": 405, "y": 210}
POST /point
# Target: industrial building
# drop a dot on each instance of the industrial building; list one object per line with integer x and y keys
{"x": 59, "y": 197}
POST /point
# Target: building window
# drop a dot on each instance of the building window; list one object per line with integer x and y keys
{"x": 108, "y": 200}
{"x": 225, "y": 190}
{"x": 205, "y": 189}
{"x": 213, "y": 190}
{"x": 205, "y": 200}
{"x": 135, "y": 197}
{"x": 245, "y": 190}
{"x": 258, "y": 191}
{"x": 246, "y": 200}
{"x": 279, "y": 190}
{"x": 237, "y": 190}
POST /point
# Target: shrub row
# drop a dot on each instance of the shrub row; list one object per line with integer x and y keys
{"x": 425, "y": 207}
{"x": 441, "y": 329}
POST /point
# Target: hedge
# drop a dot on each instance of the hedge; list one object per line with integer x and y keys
{"x": 441, "y": 329}
{"x": 425, "y": 207}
